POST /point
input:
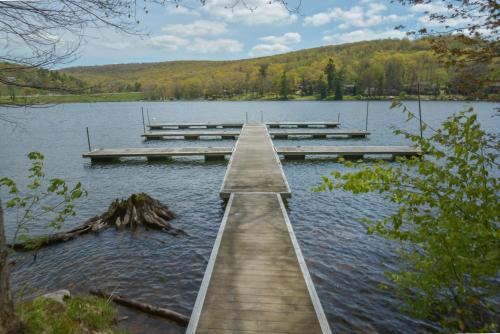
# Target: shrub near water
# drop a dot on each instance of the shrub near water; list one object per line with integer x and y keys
{"x": 447, "y": 222}
{"x": 82, "y": 314}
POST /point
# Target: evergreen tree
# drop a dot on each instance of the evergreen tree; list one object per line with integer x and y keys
{"x": 284, "y": 86}
{"x": 330, "y": 75}
{"x": 339, "y": 80}
{"x": 322, "y": 87}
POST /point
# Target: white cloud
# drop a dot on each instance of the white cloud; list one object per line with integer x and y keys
{"x": 167, "y": 42}
{"x": 268, "y": 49}
{"x": 250, "y": 12}
{"x": 116, "y": 45}
{"x": 440, "y": 8}
{"x": 288, "y": 38}
{"x": 181, "y": 10}
{"x": 357, "y": 16}
{"x": 363, "y": 35}
{"x": 221, "y": 45}
{"x": 197, "y": 28}
{"x": 430, "y": 8}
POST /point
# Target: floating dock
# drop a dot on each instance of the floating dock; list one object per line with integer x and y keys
{"x": 210, "y": 153}
{"x": 277, "y": 134}
{"x": 348, "y": 152}
{"x": 256, "y": 279}
{"x": 220, "y": 153}
{"x": 194, "y": 125}
{"x": 303, "y": 124}
{"x": 299, "y": 124}
{"x": 190, "y": 134}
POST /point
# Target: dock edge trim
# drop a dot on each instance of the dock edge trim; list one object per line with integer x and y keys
{"x": 325, "y": 327}
{"x": 200, "y": 299}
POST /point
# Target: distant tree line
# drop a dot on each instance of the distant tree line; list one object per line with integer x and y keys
{"x": 375, "y": 68}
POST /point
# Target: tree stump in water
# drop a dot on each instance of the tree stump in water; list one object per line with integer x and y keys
{"x": 138, "y": 210}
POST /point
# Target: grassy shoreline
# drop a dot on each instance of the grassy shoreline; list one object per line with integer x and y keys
{"x": 139, "y": 96}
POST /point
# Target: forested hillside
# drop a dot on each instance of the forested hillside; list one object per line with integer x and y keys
{"x": 17, "y": 80}
{"x": 382, "y": 67}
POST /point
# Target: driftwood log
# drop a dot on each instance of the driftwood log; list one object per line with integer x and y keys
{"x": 138, "y": 210}
{"x": 181, "y": 319}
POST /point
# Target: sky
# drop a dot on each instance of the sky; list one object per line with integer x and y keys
{"x": 251, "y": 29}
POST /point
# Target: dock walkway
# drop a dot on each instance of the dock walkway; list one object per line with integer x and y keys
{"x": 256, "y": 280}
{"x": 254, "y": 165}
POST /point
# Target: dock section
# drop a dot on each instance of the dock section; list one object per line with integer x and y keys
{"x": 256, "y": 280}
{"x": 277, "y": 134}
{"x": 348, "y": 152}
{"x": 303, "y": 124}
{"x": 318, "y": 133}
{"x": 190, "y": 134}
{"x": 298, "y": 124}
{"x": 209, "y": 153}
{"x": 194, "y": 125}
{"x": 254, "y": 165}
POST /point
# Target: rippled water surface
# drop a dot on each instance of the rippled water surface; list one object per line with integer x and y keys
{"x": 346, "y": 264}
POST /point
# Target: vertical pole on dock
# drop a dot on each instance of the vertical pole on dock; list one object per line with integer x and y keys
{"x": 246, "y": 117}
{"x": 261, "y": 116}
{"x": 88, "y": 139}
{"x": 338, "y": 118}
{"x": 419, "y": 110}
{"x": 366, "y": 123}
{"x": 147, "y": 114}
{"x": 143, "y": 124}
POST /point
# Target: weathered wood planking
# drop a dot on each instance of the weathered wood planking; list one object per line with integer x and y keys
{"x": 254, "y": 165}
{"x": 299, "y": 152}
{"x": 256, "y": 279}
{"x": 210, "y": 153}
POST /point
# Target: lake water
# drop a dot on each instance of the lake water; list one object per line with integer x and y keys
{"x": 347, "y": 265}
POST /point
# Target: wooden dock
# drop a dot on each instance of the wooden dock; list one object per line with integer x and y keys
{"x": 299, "y": 124}
{"x": 303, "y": 124}
{"x": 347, "y": 152}
{"x": 286, "y": 134}
{"x": 190, "y": 134}
{"x": 256, "y": 279}
{"x": 194, "y": 125}
{"x": 210, "y": 153}
{"x": 254, "y": 165}
{"x": 219, "y": 153}
{"x": 277, "y": 134}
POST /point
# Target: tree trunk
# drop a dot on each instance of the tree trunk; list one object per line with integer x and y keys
{"x": 9, "y": 322}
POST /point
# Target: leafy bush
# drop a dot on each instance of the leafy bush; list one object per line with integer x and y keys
{"x": 447, "y": 222}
